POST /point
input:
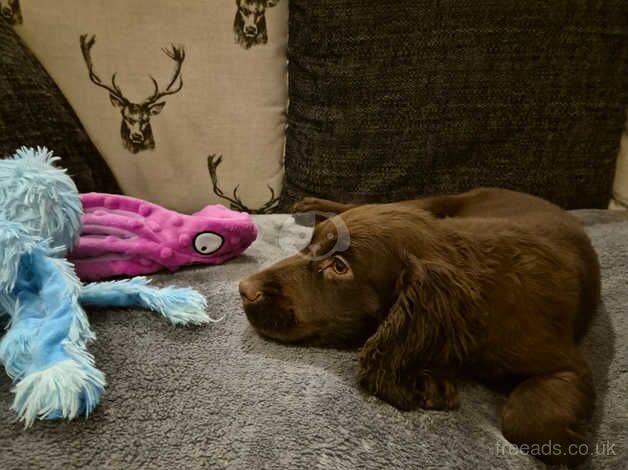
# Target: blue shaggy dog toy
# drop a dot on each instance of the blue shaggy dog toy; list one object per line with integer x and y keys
{"x": 44, "y": 347}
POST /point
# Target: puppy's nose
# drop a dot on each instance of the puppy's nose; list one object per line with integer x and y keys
{"x": 250, "y": 291}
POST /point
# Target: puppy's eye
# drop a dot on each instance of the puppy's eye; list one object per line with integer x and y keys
{"x": 339, "y": 266}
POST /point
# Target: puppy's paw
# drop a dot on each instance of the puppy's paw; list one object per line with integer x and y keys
{"x": 438, "y": 394}
{"x": 400, "y": 396}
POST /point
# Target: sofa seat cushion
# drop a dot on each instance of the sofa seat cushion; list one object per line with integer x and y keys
{"x": 223, "y": 397}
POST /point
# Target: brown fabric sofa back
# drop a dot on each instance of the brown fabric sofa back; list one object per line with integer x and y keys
{"x": 33, "y": 112}
{"x": 390, "y": 100}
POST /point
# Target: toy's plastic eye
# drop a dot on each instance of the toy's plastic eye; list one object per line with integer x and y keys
{"x": 206, "y": 243}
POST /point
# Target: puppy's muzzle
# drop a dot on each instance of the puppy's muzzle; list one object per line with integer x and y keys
{"x": 251, "y": 292}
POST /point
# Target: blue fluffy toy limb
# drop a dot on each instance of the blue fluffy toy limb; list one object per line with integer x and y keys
{"x": 14, "y": 242}
{"x": 180, "y": 305}
{"x": 44, "y": 351}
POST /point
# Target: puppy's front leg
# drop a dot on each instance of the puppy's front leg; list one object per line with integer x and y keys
{"x": 386, "y": 386}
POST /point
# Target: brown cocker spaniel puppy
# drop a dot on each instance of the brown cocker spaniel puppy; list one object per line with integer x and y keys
{"x": 490, "y": 284}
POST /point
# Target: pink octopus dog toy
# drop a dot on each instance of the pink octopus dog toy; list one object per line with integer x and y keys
{"x": 125, "y": 236}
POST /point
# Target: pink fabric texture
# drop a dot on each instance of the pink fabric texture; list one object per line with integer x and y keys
{"x": 125, "y": 236}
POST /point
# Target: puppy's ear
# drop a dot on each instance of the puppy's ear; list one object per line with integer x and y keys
{"x": 311, "y": 211}
{"x": 309, "y": 219}
{"x": 429, "y": 326}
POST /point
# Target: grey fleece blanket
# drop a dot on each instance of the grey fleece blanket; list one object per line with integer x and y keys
{"x": 222, "y": 397}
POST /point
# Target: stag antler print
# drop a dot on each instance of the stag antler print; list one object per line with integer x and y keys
{"x": 235, "y": 202}
{"x": 178, "y": 55}
{"x": 86, "y": 47}
{"x": 136, "y": 130}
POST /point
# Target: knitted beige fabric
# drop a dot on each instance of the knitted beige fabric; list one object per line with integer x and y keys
{"x": 220, "y": 71}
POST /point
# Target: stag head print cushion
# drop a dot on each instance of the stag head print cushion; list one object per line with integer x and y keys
{"x": 185, "y": 100}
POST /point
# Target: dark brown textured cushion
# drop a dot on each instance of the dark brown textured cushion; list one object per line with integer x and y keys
{"x": 390, "y": 100}
{"x": 33, "y": 112}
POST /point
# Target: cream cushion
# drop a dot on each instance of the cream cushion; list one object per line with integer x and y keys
{"x": 231, "y": 103}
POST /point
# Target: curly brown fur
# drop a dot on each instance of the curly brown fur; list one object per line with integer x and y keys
{"x": 489, "y": 284}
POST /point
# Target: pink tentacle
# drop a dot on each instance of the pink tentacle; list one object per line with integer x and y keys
{"x": 128, "y": 236}
{"x": 89, "y": 247}
{"x": 102, "y": 222}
